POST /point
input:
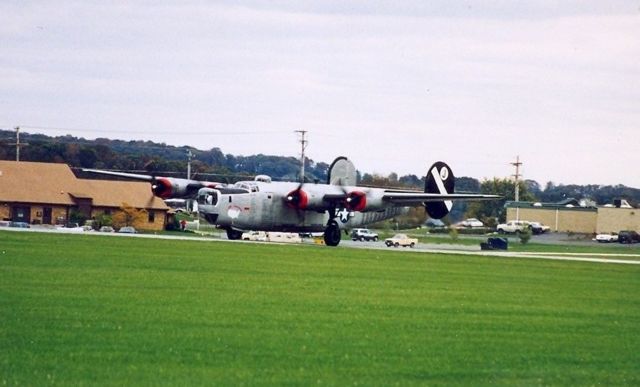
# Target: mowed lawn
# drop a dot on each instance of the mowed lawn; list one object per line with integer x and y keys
{"x": 77, "y": 309}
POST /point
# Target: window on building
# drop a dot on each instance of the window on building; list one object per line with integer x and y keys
{"x": 152, "y": 216}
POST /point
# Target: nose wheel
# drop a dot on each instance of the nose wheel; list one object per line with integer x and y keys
{"x": 332, "y": 234}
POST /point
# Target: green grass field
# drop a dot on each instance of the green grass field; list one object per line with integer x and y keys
{"x": 78, "y": 309}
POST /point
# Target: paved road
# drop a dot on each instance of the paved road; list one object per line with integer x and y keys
{"x": 628, "y": 256}
{"x": 625, "y": 257}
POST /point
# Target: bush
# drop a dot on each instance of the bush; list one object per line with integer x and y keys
{"x": 525, "y": 236}
{"x": 101, "y": 220}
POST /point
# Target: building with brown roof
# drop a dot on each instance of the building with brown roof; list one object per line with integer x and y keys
{"x": 46, "y": 193}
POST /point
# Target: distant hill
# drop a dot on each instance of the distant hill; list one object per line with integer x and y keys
{"x": 148, "y": 156}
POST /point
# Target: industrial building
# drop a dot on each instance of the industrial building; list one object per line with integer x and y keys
{"x": 571, "y": 217}
{"x": 46, "y": 193}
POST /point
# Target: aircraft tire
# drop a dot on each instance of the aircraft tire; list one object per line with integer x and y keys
{"x": 332, "y": 234}
{"x": 233, "y": 235}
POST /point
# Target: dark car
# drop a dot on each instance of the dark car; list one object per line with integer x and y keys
{"x": 629, "y": 236}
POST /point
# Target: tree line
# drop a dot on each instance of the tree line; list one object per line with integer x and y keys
{"x": 214, "y": 164}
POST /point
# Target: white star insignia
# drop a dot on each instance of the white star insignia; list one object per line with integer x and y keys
{"x": 343, "y": 214}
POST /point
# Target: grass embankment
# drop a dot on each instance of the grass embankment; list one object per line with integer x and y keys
{"x": 78, "y": 309}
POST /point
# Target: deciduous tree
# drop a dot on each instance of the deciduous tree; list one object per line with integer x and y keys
{"x": 128, "y": 215}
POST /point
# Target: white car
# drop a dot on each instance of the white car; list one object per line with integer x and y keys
{"x": 471, "y": 222}
{"x": 605, "y": 238}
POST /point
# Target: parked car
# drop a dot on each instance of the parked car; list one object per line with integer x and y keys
{"x": 434, "y": 223}
{"x": 20, "y": 225}
{"x": 363, "y": 234}
{"x": 127, "y": 230}
{"x": 288, "y": 237}
{"x": 539, "y": 228}
{"x": 628, "y": 236}
{"x": 400, "y": 240}
{"x": 254, "y": 236}
{"x": 513, "y": 226}
{"x": 605, "y": 238}
{"x": 106, "y": 229}
{"x": 70, "y": 227}
{"x": 471, "y": 222}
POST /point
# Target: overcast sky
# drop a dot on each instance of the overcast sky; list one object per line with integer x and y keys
{"x": 392, "y": 85}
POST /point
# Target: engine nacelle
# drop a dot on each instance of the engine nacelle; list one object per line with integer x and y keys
{"x": 171, "y": 187}
{"x": 297, "y": 199}
{"x": 306, "y": 197}
{"x": 364, "y": 201}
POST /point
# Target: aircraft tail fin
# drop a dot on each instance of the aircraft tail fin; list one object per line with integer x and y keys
{"x": 439, "y": 180}
{"x": 342, "y": 172}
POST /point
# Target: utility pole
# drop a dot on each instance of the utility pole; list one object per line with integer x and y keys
{"x": 18, "y": 144}
{"x": 517, "y": 177}
{"x": 189, "y": 156}
{"x": 303, "y": 143}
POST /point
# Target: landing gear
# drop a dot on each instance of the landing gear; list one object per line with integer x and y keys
{"x": 233, "y": 235}
{"x": 332, "y": 234}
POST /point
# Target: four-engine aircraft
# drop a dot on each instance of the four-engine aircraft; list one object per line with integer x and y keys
{"x": 339, "y": 204}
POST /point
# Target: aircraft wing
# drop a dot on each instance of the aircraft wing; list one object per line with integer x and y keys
{"x": 164, "y": 187}
{"x": 133, "y": 176}
{"x": 409, "y": 198}
{"x": 374, "y": 199}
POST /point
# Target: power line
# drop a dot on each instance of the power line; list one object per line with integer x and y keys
{"x": 201, "y": 133}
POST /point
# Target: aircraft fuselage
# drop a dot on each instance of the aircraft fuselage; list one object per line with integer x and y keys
{"x": 263, "y": 207}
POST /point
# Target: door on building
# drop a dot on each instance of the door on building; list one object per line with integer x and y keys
{"x": 21, "y": 214}
{"x": 46, "y": 215}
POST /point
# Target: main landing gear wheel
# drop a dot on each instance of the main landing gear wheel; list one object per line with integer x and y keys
{"x": 233, "y": 235}
{"x": 332, "y": 234}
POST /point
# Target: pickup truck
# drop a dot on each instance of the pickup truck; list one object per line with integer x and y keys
{"x": 513, "y": 226}
{"x": 400, "y": 240}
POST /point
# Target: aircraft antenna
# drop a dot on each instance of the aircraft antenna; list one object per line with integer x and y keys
{"x": 517, "y": 176}
{"x": 303, "y": 143}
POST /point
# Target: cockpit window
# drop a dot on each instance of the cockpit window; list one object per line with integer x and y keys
{"x": 247, "y": 185}
{"x": 209, "y": 198}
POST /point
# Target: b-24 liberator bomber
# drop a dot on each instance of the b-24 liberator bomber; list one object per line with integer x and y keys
{"x": 331, "y": 207}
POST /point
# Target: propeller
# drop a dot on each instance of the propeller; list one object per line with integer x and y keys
{"x": 297, "y": 199}
{"x": 356, "y": 201}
